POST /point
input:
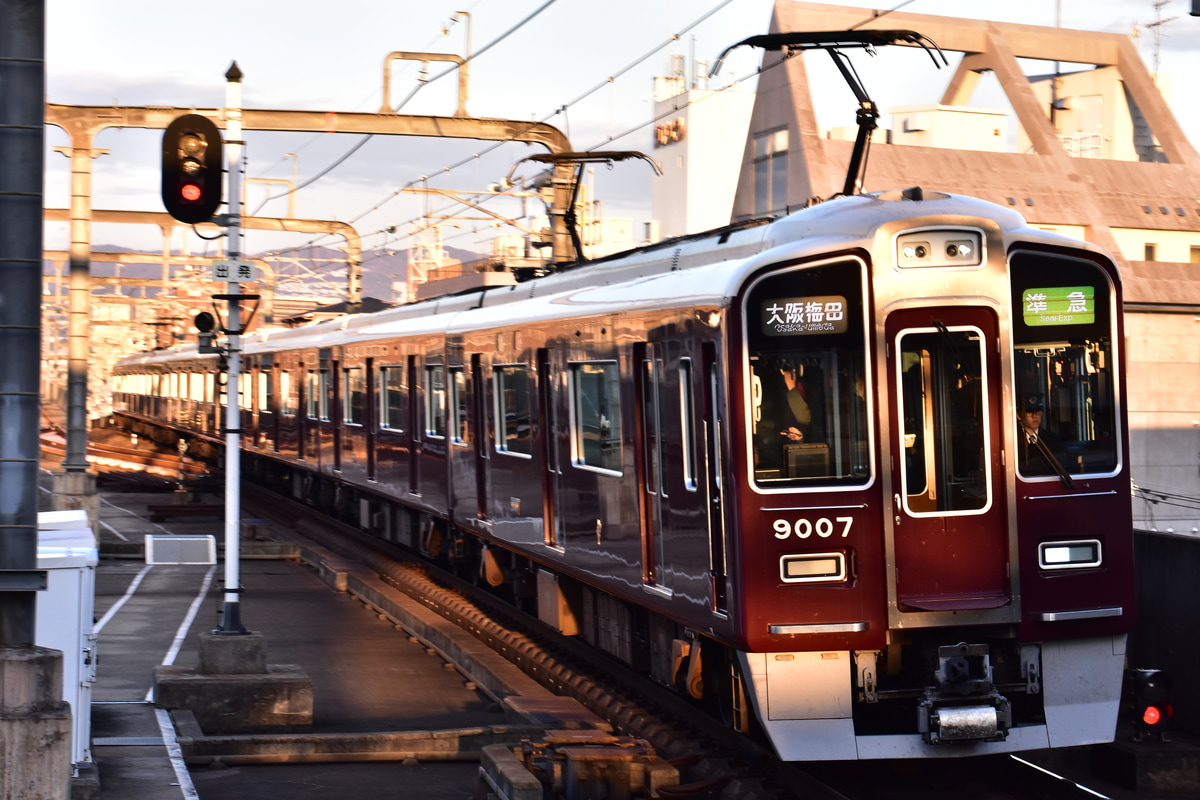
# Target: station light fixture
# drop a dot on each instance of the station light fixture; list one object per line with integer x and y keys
{"x": 192, "y": 177}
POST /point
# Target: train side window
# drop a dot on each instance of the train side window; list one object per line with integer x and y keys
{"x": 265, "y": 398}
{"x": 513, "y": 410}
{"x": 459, "y": 416}
{"x": 318, "y": 394}
{"x": 435, "y": 401}
{"x": 687, "y": 423}
{"x": 355, "y": 383}
{"x": 1064, "y": 364}
{"x": 326, "y": 388}
{"x": 596, "y": 416}
{"x": 288, "y": 393}
{"x": 393, "y": 397}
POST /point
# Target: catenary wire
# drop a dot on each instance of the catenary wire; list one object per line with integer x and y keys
{"x": 559, "y": 110}
{"x": 368, "y": 137}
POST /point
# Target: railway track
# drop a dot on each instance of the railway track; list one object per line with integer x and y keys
{"x": 116, "y": 454}
{"x": 714, "y": 762}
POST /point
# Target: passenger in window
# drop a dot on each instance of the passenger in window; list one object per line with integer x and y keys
{"x": 796, "y": 415}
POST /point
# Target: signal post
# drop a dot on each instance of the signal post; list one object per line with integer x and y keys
{"x": 233, "y": 690}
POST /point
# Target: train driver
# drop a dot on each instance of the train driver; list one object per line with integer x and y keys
{"x": 1038, "y": 448}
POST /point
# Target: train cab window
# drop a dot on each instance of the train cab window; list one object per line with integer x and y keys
{"x": 807, "y": 387}
{"x": 513, "y": 411}
{"x": 1064, "y": 364}
{"x": 943, "y": 406}
{"x": 355, "y": 383}
{"x": 393, "y": 398}
{"x": 435, "y": 401}
{"x": 596, "y": 416}
{"x": 459, "y": 416}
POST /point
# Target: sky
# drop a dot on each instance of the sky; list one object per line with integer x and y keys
{"x": 585, "y": 67}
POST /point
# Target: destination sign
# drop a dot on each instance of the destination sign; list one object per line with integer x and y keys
{"x": 801, "y": 316}
{"x": 1059, "y": 305}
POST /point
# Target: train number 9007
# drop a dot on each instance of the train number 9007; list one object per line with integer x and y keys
{"x": 803, "y": 528}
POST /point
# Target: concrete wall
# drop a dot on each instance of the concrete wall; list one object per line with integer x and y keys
{"x": 1164, "y": 419}
{"x": 1169, "y": 617}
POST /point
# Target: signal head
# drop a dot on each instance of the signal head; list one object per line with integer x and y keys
{"x": 192, "y": 176}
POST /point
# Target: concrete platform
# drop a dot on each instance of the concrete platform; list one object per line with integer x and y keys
{"x": 387, "y": 710}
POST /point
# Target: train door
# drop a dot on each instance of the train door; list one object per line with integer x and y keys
{"x": 950, "y": 528}
{"x": 592, "y": 508}
{"x": 415, "y": 407}
{"x": 302, "y": 422}
{"x": 546, "y": 441}
{"x": 461, "y": 487}
{"x": 712, "y": 423}
{"x": 648, "y": 457}
{"x": 335, "y": 423}
{"x": 434, "y": 433}
{"x": 316, "y": 414}
{"x": 479, "y": 411}
{"x": 370, "y": 408}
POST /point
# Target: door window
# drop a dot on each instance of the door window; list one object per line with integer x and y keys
{"x": 943, "y": 405}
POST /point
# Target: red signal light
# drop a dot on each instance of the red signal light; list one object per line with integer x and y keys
{"x": 190, "y": 192}
{"x": 1148, "y": 691}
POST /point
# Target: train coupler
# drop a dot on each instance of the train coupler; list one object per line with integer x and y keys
{"x": 963, "y": 706}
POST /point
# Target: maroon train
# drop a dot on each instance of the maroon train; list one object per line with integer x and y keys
{"x": 777, "y": 466}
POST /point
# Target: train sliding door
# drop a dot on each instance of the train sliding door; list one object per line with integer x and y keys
{"x": 949, "y": 532}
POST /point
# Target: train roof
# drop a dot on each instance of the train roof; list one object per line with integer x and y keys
{"x": 698, "y": 270}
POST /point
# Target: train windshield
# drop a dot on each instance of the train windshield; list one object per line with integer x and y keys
{"x": 807, "y": 385}
{"x": 1063, "y": 360}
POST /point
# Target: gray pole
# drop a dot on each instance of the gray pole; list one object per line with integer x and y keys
{"x": 22, "y": 76}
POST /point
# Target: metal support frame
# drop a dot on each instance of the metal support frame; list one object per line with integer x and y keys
{"x": 22, "y": 140}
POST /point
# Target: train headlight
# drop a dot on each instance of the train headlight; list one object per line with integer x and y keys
{"x": 952, "y": 247}
{"x": 1071, "y": 554}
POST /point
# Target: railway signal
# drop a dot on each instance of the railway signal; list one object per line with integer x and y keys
{"x": 1151, "y": 710}
{"x": 192, "y": 174}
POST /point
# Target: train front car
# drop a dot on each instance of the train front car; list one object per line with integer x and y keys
{"x": 934, "y": 552}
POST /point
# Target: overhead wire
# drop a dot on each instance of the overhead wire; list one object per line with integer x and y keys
{"x": 367, "y": 137}
{"x": 562, "y": 109}
{"x": 1161, "y": 497}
